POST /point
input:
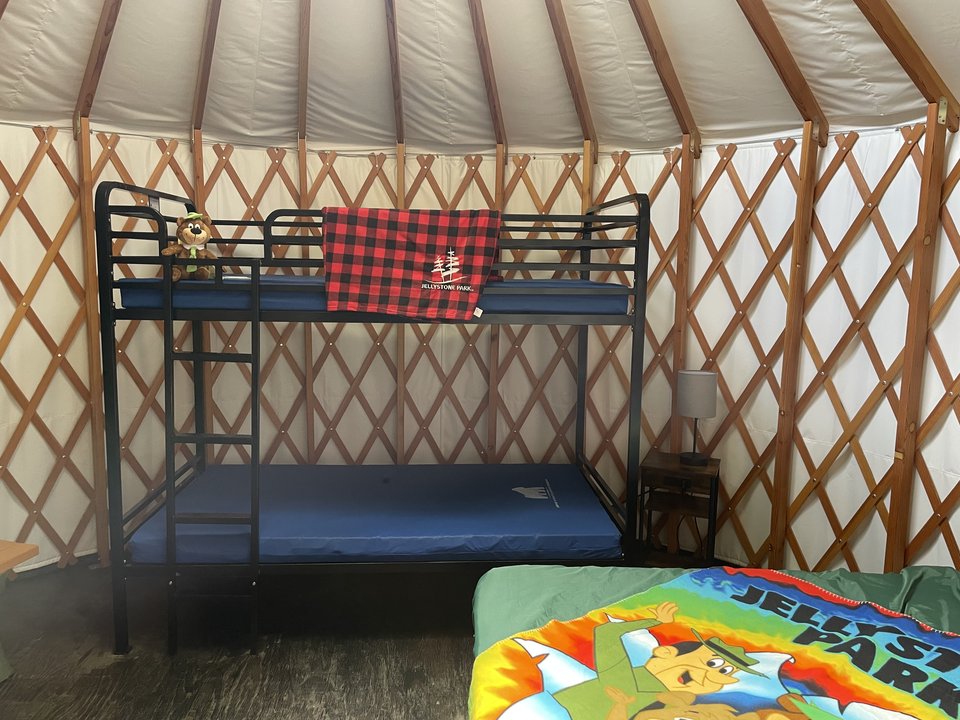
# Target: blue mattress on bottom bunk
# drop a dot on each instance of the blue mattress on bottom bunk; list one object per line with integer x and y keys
{"x": 334, "y": 513}
{"x": 308, "y": 293}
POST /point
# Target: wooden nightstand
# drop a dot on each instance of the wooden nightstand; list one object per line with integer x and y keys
{"x": 668, "y": 486}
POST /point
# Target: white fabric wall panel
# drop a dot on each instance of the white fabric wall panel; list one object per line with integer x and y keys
{"x": 444, "y": 103}
{"x": 535, "y": 97}
{"x": 628, "y": 105}
{"x": 44, "y": 46}
{"x": 730, "y": 84}
{"x": 936, "y": 28}
{"x": 851, "y": 72}
{"x": 266, "y": 179}
{"x": 864, "y": 362}
{"x": 28, "y": 458}
{"x": 138, "y": 92}
{"x": 349, "y": 91}
{"x": 739, "y": 362}
{"x": 252, "y": 97}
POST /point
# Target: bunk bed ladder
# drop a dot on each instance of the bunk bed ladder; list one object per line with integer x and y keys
{"x": 240, "y": 580}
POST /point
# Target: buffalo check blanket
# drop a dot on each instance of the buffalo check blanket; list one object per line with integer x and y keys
{"x": 428, "y": 264}
{"x": 724, "y": 644}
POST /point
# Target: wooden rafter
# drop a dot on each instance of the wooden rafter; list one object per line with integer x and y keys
{"x": 918, "y": 325}
{"x": 302, "y": 63}
{"x": 912, "y": 59}
{"x": 393, "y": 43}
{"x": 486, "y": 65}
{"x": 786, "y": 66}
{"x": 206, "y": 60}
{"x": 569, "y": 59}
{"x": 98, "y": 56}
{"x": 668, "y": 76}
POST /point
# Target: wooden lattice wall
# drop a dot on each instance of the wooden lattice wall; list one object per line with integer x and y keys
{"x": 730, "y": 316}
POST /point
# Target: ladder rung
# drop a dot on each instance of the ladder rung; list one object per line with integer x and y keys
{"x": 203, "y": 596}
{"x": 213, "y": 439}
{"x": 212, "y": 518}
{"x": 215, "y": 357}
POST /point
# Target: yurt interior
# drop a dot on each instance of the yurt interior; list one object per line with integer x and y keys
{"x": 488, "y": 359}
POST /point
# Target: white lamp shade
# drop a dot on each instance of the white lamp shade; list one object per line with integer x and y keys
{"x": 697, "y": 393}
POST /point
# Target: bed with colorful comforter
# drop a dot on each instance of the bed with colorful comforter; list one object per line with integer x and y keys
{"x": 718, "y": 643}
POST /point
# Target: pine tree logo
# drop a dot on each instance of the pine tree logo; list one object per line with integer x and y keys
{"x": 446, "y": 269}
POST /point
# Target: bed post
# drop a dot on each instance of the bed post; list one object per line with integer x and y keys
{"x": 632, "y": 546}
{"x": 108, "y": 354}
{"x": 169, "y": 464}
{"x": 199, "y": 397}
{"x": 583, "y": 341}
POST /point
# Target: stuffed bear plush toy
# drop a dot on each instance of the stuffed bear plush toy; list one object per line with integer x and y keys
{"x": 193, "y": 233}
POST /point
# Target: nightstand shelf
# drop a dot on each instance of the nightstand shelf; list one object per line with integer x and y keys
{"x": 678, "y": 491}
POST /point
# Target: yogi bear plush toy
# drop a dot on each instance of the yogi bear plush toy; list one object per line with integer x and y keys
{"x": 193, "y": 233}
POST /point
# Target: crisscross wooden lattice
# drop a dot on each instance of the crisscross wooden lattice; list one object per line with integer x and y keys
{"x": 735, "y": 342}
{"x": 43, "y": 352}
{"x": 438, "y": 393}
{"x": 823, "y": 487}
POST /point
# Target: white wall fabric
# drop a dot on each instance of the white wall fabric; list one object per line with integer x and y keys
{"x": 252, "y": 97}
{"x": 350, "y": 93}
{"x": 855, "y": 79}
{"x": 240, "y": 177}
{"x": 27, "y": 457}
{"x": 42, "y": 59}
{"x": 144, "y": 96}
{"x": 443, "y": 99}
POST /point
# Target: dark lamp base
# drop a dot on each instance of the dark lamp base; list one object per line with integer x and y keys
{"x": 694, "y": 458}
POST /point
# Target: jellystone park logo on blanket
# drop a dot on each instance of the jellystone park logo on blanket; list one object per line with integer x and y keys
{"x": 446, "y": 274}
{"x": 720, "y": 644}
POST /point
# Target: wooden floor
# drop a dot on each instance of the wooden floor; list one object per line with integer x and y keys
{"x": 337, "y": 648}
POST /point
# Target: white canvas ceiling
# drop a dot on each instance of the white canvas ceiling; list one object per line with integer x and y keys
{"x": 150, "y": 74}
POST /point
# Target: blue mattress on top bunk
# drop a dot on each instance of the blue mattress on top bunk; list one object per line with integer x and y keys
{"x": 334, "y": 513}
{"x": 308, "y": 293}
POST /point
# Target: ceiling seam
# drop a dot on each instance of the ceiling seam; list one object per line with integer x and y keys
{"x": 256, "y": 75}
{"x": 626, "y": 73}
{"x": 21, "y": 76}
{"x": 824, "y": 14}
{"x": 448, "y": 120}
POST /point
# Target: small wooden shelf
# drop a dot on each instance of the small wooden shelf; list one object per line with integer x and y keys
{"x": 14, "y": 553}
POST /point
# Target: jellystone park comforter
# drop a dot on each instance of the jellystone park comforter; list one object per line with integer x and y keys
{"x": 720, "y": 644}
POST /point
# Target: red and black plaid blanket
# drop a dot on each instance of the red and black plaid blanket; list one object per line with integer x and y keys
{"x": 429, "y": 264}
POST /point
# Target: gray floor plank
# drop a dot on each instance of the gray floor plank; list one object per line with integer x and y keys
{"x": 367, "y": 647}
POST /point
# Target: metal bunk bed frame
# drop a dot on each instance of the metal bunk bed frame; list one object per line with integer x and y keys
{"x": 579, "y": 233}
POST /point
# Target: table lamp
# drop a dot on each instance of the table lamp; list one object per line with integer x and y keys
{"x": 696, "y": 398}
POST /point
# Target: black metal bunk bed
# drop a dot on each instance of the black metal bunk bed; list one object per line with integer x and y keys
{"x": 244, "y": 522}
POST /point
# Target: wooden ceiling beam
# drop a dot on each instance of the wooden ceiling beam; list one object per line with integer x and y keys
{"x": 394, "y": 43}
{"x": 98, "y": 56}
{"x": 572, "y": 70}
{"x": 302, "y": 63}
{"x": 786, "y": 66}
{"x": 668, "y": 75}
{"x": 486, "y": 65}
{"x": 912, "y": 59}
{"x": 206, "y": 61}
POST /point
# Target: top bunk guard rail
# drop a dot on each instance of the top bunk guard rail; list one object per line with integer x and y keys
{"x": 576, "y": 236}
